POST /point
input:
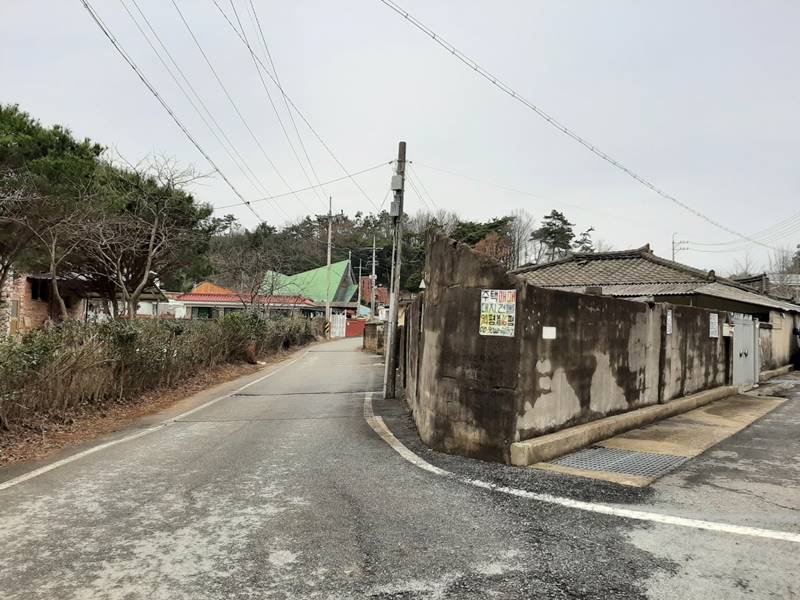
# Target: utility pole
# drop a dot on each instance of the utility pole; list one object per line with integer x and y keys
{"x": 373, "y": 279}
{"x": 678, "y": 245}
{"x": 328, "y": 270}
{"x": 359, "y": 286}
{"x": 398, "y": 183}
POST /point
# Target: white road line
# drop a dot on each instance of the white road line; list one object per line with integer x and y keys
{"x": 382, "y": 430}
{"x": 60, "y": 463}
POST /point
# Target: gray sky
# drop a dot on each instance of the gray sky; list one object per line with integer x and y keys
{"x": 700, "y": 97}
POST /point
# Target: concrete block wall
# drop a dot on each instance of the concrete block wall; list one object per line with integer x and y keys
{"x": 475, "y": 395}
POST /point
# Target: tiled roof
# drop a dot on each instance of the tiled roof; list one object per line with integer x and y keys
{"x": 640, "y": 273}
{"x": 236, "y": 299}
{"x": 206, "y": 287}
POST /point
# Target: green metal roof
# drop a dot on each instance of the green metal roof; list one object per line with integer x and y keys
{"x": 314, "y": 284}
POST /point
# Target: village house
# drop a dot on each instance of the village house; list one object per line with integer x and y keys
{"x": 335, "y": 284}
{"x": 210, "y": 301}
{"x": 639, "y": 274}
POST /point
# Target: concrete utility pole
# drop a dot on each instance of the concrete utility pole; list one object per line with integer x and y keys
{"x": 328, "y": 270}
{"x": 373, "y": 279}
{"x": 398, "y": 183}
{"x": 359, "y": 285}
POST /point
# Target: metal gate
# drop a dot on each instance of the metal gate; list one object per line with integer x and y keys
{"x": 338, "y": 325}
{"x": 745, "y": 352}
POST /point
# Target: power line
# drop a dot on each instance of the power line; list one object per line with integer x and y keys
{"x": 778, "y": 230}
{"x": 285, "y": 101}
{"x": 526, "y": 193}
{"x": 231, "y": 100}
{"x": 552, "y": 121}
{"x": 118, "y": 47}
{"x": 305, "y": 189}
{"x": 297, "y": 110}
{"x": 422, "y": 185}
{"x": 269, "y": 97}
{"x": 229, "y": 148}
{"x": 417, "y": 192}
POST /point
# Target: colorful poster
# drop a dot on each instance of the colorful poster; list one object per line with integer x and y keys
{"x": 498, "y": 312}
{"x": 713, "y": 325}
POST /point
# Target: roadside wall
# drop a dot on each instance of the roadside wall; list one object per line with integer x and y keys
{"x": 691, "y": 360}
{"x": 778, "y": 341}
{"x": 474, "y": 395}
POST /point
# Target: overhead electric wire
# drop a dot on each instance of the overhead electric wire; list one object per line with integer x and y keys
{"x": 779, "y": 229}
{"x": 131, "y": 63}
{"x": 285, "y": 101}
{"x": 472, "y": 64}
{"x": 232, "y": 101}
{"x": 598, "y": 211}
{"x": 305, "y": 189}
{"x": 271, "y": 102}
{"x": 421, "y": 184}
{"x": 417, "y": 192}
{"x": 229, "y": 148}
{"x": 297, "y": 110}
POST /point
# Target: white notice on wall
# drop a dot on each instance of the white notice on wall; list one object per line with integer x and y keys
{"x": 669, "y": 321}
{"x": 498, "y": 312}
{"x": 548, "y": 333}
{"x": 713, "y": 325}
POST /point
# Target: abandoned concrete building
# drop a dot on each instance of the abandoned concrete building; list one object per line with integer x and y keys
{"x": 492, "y": 358}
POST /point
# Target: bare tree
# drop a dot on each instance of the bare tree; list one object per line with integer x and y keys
{"x": 130, "y": 246}
{"x": 520, "y": 230}
{"x": 744, "y": 267}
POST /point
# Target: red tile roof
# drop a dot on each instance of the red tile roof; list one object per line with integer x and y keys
{"x": 237, "y": 299}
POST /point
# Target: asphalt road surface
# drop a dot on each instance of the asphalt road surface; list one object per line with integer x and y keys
{"x": 284, "y": 491}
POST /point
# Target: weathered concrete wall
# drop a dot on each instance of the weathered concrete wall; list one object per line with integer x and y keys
{"x": 779, "y": 342}
{"x": 373, "y": 337}
{"x": 475, "y": 395}
{"x": 692, "y": 360}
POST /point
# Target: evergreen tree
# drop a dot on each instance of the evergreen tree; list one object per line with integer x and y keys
{"x": 555, "y": 236}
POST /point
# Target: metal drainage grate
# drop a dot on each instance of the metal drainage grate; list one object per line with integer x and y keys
{"x": 626, "y": 462}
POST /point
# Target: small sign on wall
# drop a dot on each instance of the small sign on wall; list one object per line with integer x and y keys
{"x": 548, "y": 333}
{"x": 498, "y": 312}
{"x": 669, "y": 321}
{"x": 713, "y": 325}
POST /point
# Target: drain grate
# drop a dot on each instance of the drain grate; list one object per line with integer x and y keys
{"x": 625, "y": 462}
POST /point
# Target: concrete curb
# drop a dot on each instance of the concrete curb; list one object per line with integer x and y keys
{"x": 553, "y": 445}
{"x": 765, "y": 375}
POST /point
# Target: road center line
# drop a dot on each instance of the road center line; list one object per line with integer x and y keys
{"x": 64, "y": 461}
{"x": 378, "y": 426}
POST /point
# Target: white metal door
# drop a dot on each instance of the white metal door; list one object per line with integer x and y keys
{"x": 745, "y": 352}
{"x": 338, "y": 325}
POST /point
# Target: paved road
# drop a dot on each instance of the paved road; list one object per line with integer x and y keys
{"x": 284, "y": 491}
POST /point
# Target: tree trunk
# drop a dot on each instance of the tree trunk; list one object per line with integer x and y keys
{"x": 62, "y": 307}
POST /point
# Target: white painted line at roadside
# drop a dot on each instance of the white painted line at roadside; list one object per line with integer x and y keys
{"x": 60, "y": 463}
{"x": 379, "y": 427}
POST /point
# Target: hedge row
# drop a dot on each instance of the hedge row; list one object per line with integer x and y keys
{"x": 50, "y": 370}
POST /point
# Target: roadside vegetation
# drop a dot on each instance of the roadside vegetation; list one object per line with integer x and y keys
{"x": 48, "y": 372}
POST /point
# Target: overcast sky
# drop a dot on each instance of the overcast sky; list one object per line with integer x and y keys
{"x": 699, "y": 97}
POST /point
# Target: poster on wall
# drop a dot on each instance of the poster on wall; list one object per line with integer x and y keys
{"x": 498, "y": 312}
{"x": 669, "y": 321}
{"x": 713, "y": 325}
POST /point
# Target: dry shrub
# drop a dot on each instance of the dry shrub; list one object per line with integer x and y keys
{"x": 49, "y": 371}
